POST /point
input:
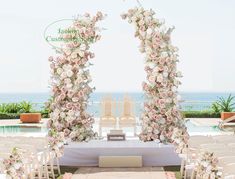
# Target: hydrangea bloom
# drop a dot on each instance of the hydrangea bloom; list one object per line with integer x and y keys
{"x": 161, "y": 110}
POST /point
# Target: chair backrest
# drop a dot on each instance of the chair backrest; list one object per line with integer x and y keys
{"x": 127, "y": 106}
{"x": 107, "y": 105}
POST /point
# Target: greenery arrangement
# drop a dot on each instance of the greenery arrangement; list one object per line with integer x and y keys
{"x": 22, "y": 107}
{"x": 13, "y": 110}
{"x": 224, "y": 104}
{"x": 201, "y": 114}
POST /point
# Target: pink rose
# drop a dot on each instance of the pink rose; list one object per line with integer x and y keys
{"x": 50, "y": 59}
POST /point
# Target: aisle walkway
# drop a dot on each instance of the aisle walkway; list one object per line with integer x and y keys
{"x": 123, "y": 173}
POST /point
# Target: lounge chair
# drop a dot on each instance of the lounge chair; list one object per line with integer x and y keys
{"x": 127, "y": 118}
{"x": 107, "y": 118}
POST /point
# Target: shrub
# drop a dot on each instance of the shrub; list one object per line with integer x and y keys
{"x": 25, "y": 107}
{"x": 9, "y": 116}
{"x": 224, "y": 104}
{"x": 10, "y": 108}
{"x": 200, "y": 114}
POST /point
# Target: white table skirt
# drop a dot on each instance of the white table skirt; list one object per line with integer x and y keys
{"x": 87, "y": 154}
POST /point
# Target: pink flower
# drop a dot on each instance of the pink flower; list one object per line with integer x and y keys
{"x": 67, "y": 176}
{"x": 50, "y": 59}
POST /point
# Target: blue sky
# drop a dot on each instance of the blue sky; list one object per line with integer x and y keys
{"x": 204, "y": 34}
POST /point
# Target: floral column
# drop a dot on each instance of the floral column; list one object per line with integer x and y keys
{"x": 70, "y": 80}
{"x": 161, "y": 110}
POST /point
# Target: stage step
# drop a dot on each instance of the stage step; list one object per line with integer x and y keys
{"x": 120, "y": 161}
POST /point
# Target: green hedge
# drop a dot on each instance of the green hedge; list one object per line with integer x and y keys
{"x": 186, "y": 114}
{"x": 200, "y": 114}
{"x": 9, "y": 116}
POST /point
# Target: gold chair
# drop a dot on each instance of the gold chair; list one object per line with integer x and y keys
{"x": 127, "y": 118}
{"x": 107, "y": 118}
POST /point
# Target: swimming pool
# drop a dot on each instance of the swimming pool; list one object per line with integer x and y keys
{"x": 34, "y": 130}
{"x": 22, "y": 129}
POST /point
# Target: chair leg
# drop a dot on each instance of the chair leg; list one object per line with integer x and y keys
{"x": 100, "y": 130}
{"x": 52, "y": 169}
{"x": 58, "y": 166}
{"x": 193, "y": 175}
{"x": 46, "y": 171}
{"x": 182, "y": 167}
{"x": 135, "y": 131}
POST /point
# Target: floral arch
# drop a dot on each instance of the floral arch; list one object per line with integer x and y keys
{"x": 162, "y": 120}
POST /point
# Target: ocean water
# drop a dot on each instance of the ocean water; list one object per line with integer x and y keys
{"x": 191, "y": 101}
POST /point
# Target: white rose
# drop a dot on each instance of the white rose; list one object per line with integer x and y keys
{"x": 81, "y": 53}
{"x": 74, "y": 55}
{"x": 62, "y": 115}
{"x": 75, "y": 99}
{"x": 150, "y": 129}
{"x": 59, "y": 70}
{"x": 162, "y": 137}
{"x": 159, "y": 78}
{"x": 162, "y": 121}
{"x": 156, "y": 131}
{"x": 69, "y": 85}
{"x": 63, "y": 75}
{"x": 152, "y": 79}
{"x": 149, "y": 31}
{"x": 69, "y": 73}
{"x": 165, "y": 74}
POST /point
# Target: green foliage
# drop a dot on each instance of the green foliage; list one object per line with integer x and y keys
{"x": 224, "y": 104}
{"x": 215, "y": 108}
{"x": 46, "y": 108}
{"x": 25, "y": 107}
{"x": 10, "y": 108}
{"x": 200, "y": 114}
{"x": 22, "y": 107}
{"x": 9, "y": 116}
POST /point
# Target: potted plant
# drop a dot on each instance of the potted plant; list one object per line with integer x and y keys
{"x": 27, "y": 116}
{"x": 226, "y": 106}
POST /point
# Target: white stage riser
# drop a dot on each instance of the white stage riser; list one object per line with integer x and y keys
{"x": 87, "y": 154}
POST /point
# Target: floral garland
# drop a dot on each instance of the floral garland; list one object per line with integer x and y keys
{"x": 161, "y": 110}
{"x": 56, "y": 142}
{"x": 207, "y": 166}
{"x": 180, "y": 140}
{"x": 70, "y": 80}
{"x": 14, "y": 165}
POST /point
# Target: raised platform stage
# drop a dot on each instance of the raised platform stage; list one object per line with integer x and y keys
{"x": 87, "y": 154}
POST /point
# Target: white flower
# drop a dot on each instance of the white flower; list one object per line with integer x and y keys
{"x": 162, "y": 138}
{"x": 59, "y": 70}
{"x": 62, "y": 115}
{"x": 162, "y": 121}
{"x": 69, "y": 73}
{"x": 69, "y": 85}
{"x": 63, "y": 75}
{"x": 81, "y": 53}
{"x": 74, "y": 55}
{"x": 75, "y": 99}
{"x": 165, "y": 74}
{"x": 149, "y": 31}
{"x": 160, "y": 78}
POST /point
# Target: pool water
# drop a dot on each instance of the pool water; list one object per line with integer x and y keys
{"x": 202, "y": 130}
{"x": 22, "y": 129}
